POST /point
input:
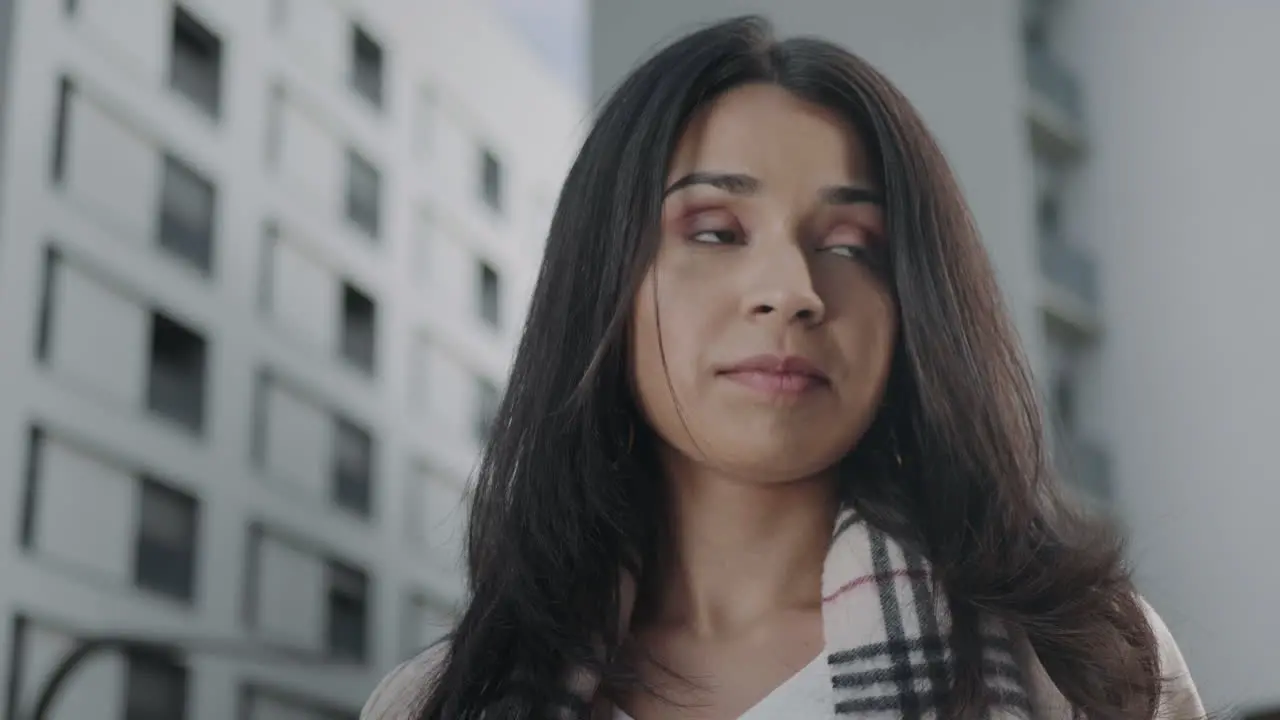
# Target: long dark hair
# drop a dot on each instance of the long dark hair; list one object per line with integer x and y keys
{"x": 566, "y": 498}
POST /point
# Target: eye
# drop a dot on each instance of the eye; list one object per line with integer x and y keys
{"x": 853, "y": 252}
{"x": 847, "y": 242}
{"x": 715, "y": 237}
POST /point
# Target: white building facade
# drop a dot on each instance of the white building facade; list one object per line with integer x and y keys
{"x": 262, "y": 268}
{"x": 1118, "y": 158}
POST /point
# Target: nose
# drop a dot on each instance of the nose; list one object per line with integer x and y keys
{"x": 784, "y": 289}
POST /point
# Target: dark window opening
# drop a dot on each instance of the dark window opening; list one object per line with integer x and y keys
{"x": 1048, "y": 216}
{"x": 364, "y": 192}
{"x": 195, "y": 66}
{"x": 187, "y": 207}
{"x": 491, "y": 180}
{"x": 31, "y": 490}
{"x": 490, "y": 295}
{"x": 348, "y": 612}
{"x": 62, "y": 125}
{"x": 176, "y": 382}
{"x": 359, "y": 328}
{"x": 1064, "y": 398}
{"x": 353, "y": 467}
{"x": 165, "y": 554}
{"x": 366, "y": 66}
{"x": 44, "y": 330}
{"x": 155, "y": 687}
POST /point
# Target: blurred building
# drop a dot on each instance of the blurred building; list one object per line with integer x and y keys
{"x": 1176, "y": 202}
{"x": 1118, "y": 159}
{"x": 262, "y": 264}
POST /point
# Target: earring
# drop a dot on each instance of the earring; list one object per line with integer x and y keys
{"x": 631, "y": 436}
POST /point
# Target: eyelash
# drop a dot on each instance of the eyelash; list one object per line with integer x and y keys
{"x": 857, "y": 252}
{"x": 716, "y": 234}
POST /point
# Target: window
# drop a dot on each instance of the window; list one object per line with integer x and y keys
{"x": 44, "y": 323}
{"x": 165, "y": 554}
{"x": 66, "y": 91}
{"x": 80, "y": 509}
{"x": 176, "y": 382}
{"x": 103, "y": 161}
{"x": 195, "y": 68}
{"x": 490, "y": 295}
{"x": 155, "y": 687}
{"x": 364, "y": 188}
{"x": 1048, "y": 217}
{"x": 352, "y": 466}
{"x": 92, "y": 332}
{"x": 366, "y": 66}
{"x": 1064, "y": 400}
{"x": 186, "y": 214}
{"x": 491, "y": 180}
{"x": 285, "y": 589}
{"x": 32, "y": 477}
{"x": 348, "y": 611}
{"x": 359, "y": 328}
{"x": 486, "y": 408}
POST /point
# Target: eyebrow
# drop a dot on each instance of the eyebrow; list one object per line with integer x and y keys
{"x": 740, "y": 184}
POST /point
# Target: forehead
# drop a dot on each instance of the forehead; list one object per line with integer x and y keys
{"x": 765, "y": 131}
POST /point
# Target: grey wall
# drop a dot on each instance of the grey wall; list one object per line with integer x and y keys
{"x": 6, "y": 67}
{"x": 960, "y": 63}
{"x": 1179, "y": 202}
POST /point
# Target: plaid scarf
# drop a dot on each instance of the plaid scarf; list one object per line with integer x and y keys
{"x": 887, "y": 631}
{"x": 887, "y": 635}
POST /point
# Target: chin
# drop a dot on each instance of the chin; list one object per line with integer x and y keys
{"x": 768, "y": 463}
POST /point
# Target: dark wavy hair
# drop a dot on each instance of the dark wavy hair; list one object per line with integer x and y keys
{"x": 567, "y": 497}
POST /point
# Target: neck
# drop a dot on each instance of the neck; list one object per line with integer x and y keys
{"x": 742, "y": 550}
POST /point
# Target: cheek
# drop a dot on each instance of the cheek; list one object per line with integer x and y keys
{"x": 661, "y": 360}
{"x": 648, "y": 369}
{"x": 868, "y": 336}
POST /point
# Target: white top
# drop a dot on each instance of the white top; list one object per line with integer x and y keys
{"x": 807, "y": 695}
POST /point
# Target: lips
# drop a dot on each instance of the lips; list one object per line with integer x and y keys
{"x": 776, "y": 374}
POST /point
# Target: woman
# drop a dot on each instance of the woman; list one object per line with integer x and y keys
{"x": 770, "y": 449}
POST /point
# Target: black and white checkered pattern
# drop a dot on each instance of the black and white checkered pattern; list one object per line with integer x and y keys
{"x": 887, "y": 629}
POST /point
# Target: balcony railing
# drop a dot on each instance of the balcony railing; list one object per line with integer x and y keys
{"x": 1055, "y": 83}
{"x": 1070, "y": 267}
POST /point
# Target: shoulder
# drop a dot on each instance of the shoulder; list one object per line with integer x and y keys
{"x": 401, "y": 694}
{"x": 1180, "y": 699}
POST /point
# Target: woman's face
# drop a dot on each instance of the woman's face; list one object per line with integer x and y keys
{"x": 763, "y": 332}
